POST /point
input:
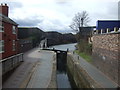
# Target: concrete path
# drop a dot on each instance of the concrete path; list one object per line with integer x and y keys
{"x": 35, "y": 63}
{"x": 96, "y": 74}
{"x": 43, "y": 71}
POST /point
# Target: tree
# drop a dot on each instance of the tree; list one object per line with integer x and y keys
{"x": 80, "y": 20}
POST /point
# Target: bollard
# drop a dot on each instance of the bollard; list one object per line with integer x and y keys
{"x": 67, "y": 50}
{"x": 53, "y": 49}
{"x": 78, "y": 57}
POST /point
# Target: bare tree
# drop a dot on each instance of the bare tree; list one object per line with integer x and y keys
{"x": 80, "y": 20}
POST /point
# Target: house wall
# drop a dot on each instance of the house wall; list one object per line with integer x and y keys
{"x": 8, "y": 38}
{"x": 24, "y": 45}
{"x": 106, "y": 54}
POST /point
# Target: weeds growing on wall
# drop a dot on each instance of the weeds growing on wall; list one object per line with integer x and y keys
{"x": 84, "y": 47}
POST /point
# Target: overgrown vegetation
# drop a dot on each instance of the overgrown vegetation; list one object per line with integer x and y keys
{"x": 84, "y": 49}
{"x": 87, "y": 57}
{"x": 84, "y": 46}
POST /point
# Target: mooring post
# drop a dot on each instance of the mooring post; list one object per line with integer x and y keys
{"x": 78, "y": 57}
{"x": 67, "y": 50}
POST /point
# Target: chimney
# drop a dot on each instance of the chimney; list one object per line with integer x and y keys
{"x": 4, "y": 9}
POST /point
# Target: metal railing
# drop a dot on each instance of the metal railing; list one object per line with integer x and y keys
{"x": 11, "y": 62}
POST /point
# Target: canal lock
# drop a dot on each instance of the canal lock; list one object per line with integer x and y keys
{"x": 64, "y": 79}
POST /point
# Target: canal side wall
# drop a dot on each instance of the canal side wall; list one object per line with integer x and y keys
{"x": 79, "y": 75}
{"x": 106, "y": 54}
{"x": 53, "y": 83}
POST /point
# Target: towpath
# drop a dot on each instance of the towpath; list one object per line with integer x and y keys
{"x": 34, "y": 72}
{"x": 96, "y": 74}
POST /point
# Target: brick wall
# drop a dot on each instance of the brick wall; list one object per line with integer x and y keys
{"x": 106, "y": 54}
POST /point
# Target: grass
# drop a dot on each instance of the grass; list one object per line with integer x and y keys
{"x": 87, "y": 57}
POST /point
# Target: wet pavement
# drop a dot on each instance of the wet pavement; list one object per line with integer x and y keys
{"x": 34, "y": 72}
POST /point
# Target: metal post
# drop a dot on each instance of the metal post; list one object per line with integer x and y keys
{"x": 67, "y": 50}
{"x": 78, "y": 57}
{"x": 22, "y": 58}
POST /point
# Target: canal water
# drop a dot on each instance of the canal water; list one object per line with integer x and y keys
{"x": 63, "y": 79}
{"x": 64, "y": 47}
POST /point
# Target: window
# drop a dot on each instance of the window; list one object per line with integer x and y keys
{"x": 1, "y": 46}
{"x": 14, "y": 30}
{"x": 1, "y": 27}
{"x": 14, "y": 45}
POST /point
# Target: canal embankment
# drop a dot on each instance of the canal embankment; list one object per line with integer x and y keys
{"x": 53, "y": 82}
{"x": 79, "y": 75}
{"x": 85, "y": 75}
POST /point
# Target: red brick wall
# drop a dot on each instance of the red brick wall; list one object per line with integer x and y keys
{"x": 8, "y": 38}
{"x": 4, "y": 9}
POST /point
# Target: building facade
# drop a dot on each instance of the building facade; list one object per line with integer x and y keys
{"x": 106, "y": 50}
{"x": 8, "y": 33}
{"x": 107, "y": 24}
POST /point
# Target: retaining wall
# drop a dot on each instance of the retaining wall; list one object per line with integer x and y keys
{"x": 79, "y": 75}
{"x": 106, "y": 54}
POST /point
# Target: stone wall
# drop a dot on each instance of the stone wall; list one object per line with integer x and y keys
{"x": 106, "y": 54}
{"x": 79, "y": 75}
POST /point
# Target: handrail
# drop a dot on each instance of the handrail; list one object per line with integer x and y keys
{"x": 10, "y": 63}
{"x": 10, "y": 57}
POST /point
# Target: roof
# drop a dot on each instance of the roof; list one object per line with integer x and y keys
{"x": 7, "y": 19}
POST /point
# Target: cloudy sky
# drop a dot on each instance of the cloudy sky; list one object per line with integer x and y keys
{"x": 56, "y": 15}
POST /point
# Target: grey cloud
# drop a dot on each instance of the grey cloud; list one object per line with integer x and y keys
{"x": 13, "y": 5}
{"x": 30, "y": 21}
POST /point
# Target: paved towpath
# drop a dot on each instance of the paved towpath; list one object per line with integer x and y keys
{"x": 34, "y": 72}
{"x": 96, "y": 74}
{"x": 43, "y": 71}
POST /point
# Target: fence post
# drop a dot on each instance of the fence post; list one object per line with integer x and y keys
{"x": 115, "y": 29}
{"x": 108, "y": 30}
{"x": 96, "y": 31}
{"x": 22, "y": 58}
{"x": 101, "y": 31}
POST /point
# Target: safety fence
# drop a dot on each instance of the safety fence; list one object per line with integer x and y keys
{"x": 10, "y": 63}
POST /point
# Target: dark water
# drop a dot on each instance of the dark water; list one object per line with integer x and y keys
{"x": 64, "y": 47}
{"x": 63, "y": 81}
{"x": 63, "y": 77}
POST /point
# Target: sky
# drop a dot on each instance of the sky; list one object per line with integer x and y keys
{"x": 57, "y": 15}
